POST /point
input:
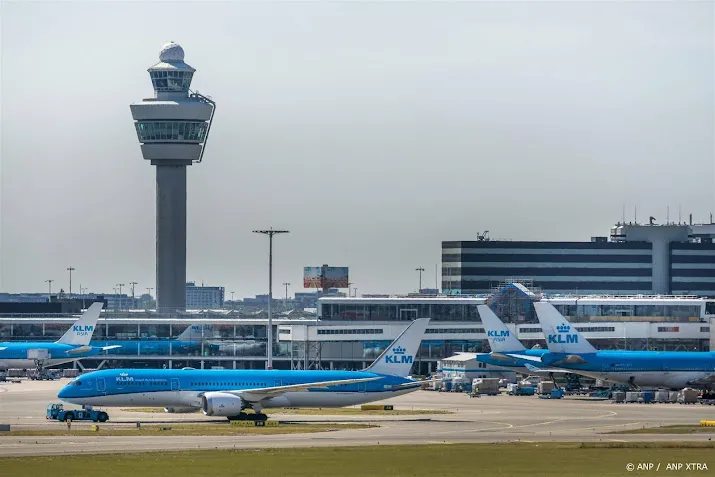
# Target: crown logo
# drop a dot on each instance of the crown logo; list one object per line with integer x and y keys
{"x": 563, "y": 328}
{"x": 398, "y": 350}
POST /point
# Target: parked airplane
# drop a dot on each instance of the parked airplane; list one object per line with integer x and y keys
{"x": 505, "y": 345}
{"x": 228, "y": 392}
{"x": 72, "y": 346}
{"x": 188, "y": 341}
{"x": 569, "y": 350}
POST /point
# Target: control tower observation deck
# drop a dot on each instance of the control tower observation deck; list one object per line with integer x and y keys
{"x": 172, "y": 128}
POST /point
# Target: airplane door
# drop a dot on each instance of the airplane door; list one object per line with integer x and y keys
{"x": 175, "y": 384}
{"x": 277, "y": 383}
{"x": 362, "y": 387}
{"x": 101, "y": 386}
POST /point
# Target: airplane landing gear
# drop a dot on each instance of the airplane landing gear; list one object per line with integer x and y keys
{"x": 40, "y": 372}
{"x": 632, "y": 383}
{"x": 553, "y": 379}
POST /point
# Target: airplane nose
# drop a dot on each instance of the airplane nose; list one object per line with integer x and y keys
{"x": 65, "y": 393}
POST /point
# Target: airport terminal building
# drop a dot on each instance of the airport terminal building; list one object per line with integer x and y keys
{"x": 349, "y": 333}
{"x": 675, "y": 259}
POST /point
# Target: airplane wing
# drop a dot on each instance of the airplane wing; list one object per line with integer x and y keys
{"x": 255, "y": 395}
{"x": 536, "y": 359}
{"x": 3, "y": 347}
{"x": 415, "y": 384}
{"x": 572, "y": 359}
{"x": 105, "y": 348}
{"x": 501, "y": 356}
{"x": 536, "y": 369}
{"x": 704, "y": 380}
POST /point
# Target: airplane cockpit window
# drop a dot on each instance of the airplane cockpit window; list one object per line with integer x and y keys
{"x": 78, "y": 383}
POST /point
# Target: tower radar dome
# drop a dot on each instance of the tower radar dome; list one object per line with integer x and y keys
{"x": 171, "y": 52}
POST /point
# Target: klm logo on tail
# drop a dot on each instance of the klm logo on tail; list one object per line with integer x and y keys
{"x": 398, "y": 356}
{"x": 83, "y": 330}
{"x": 498, "y": 335}
{"x": 563, "y": 337}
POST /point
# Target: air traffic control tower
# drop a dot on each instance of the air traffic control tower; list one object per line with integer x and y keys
{"x": 173, "y": 128}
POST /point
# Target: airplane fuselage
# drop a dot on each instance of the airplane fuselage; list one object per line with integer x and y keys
{"x": 673, "y": 369}
{"x": 14, "y": 355}
{"x": 184, "y": 388}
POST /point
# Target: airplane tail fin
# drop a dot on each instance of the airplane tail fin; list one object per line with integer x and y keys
{"x": 500, "y": 337}
{"x": 397, "y": 359}
{"x": 561, "y": 336}
{"x": 80, "y": 333}
{"x": 191, "y": 333}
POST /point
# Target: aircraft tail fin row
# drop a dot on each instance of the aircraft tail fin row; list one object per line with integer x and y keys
{"x": 397, "y": 359}
{"x": 80, "y": 333}
{"x": 500, "y": 337}
{"x": 561, "y": 336}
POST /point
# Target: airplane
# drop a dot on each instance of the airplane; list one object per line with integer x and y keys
{"x": 569, "y": 350}
{"x": 228, "y": 393}
{"x": 72, "y": 346}
{"x": 188, "y": 341}
{"x": 507, "y": 350}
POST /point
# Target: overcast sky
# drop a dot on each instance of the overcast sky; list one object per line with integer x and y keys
{"x": 371, "y": 131}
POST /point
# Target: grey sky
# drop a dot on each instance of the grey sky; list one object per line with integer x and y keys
{"x": 372, "y": 131}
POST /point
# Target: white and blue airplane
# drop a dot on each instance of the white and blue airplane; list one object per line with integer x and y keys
{"x": 569, "y": 350}
{"x": 72, "y": 346}
{"x": 228, "y": 392}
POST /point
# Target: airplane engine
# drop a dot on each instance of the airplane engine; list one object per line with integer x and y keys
{"x": 221, "y": 404}
{"x": 179, "y": 410}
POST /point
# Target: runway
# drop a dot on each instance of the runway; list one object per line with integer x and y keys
{"x": 486, "y": 419}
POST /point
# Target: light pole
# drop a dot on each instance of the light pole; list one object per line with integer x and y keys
{"x": 420, "y": 269}
{"x": 70, "y": 269}
{"x": 270, "y": 232}
{"x": 49, "y": 290}
{"x": 349, "y": 283}
{"x": 285, "y": 284}
{"x": 132, "y": 284}
{"x": 355, "y": 292}
{"x": 120, "y": 285}
{"x": 149, "y": 289}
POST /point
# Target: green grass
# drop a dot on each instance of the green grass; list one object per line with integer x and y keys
{"x": 674, "y": 429}
{"x": 494, "y": 460}
{"x": 185, "y": 430}
{"x": 328, "y": 411}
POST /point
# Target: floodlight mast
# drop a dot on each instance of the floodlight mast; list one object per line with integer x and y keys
{"x": 270, "y": 233}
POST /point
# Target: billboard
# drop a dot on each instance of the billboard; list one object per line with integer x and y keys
{"x": 335, "y": 277}
{"x": 325, "y": 277}
{"x": 312, "y": 277}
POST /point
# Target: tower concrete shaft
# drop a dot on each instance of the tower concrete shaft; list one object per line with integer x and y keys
{"x": 171, "y": 237}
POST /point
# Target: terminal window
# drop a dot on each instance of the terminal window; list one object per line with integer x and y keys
{"x": 596, "y": 329}
{"x": 455, "y": 330}
{"x": 376, "y": 331}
